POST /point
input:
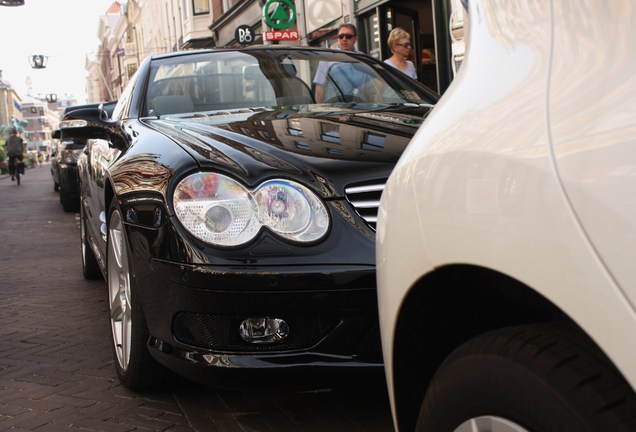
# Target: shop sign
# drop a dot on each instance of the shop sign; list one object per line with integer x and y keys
{"x": 243, "y": 35}
{"x": 281, "y": 35}
{"x": 279, "y": 14}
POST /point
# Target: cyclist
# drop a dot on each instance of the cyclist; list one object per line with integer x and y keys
{"x": 13, "y": 147}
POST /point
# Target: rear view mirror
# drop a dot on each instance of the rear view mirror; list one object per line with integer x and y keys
{"x": 93, "y": 122}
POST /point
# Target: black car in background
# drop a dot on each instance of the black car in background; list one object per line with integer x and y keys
{"x": 64, "y": 155}
{"x": 233, "y": 217}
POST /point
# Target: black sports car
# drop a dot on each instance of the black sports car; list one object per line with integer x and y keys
{"x": 232, "y": 217}
{"x": 64, "y": 155}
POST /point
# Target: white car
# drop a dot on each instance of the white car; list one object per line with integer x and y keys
{"x": 506, "y": 242}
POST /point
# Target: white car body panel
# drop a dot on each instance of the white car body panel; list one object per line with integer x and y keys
{"x": 547, "y": 196}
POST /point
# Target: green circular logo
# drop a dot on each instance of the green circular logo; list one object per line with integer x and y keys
{"x": 279, "y": 14}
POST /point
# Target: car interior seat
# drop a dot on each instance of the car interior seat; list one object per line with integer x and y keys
{"x": 291, "y": 89}
{"x": 171, "y": 104}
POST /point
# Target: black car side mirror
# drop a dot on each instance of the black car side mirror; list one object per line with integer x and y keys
{"x": 93, "y": 122}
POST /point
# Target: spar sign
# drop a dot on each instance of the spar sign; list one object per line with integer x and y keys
{"x": 280, "y": 15}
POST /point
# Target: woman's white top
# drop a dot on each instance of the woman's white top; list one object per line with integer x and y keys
{"x": 410, "y": 68}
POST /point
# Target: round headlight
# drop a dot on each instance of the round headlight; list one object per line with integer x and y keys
{"x": 285, "y": 209}
{"x": 220, "y": 211}
{"x": 291, "y": 210}
{"x": 216, "y": 209}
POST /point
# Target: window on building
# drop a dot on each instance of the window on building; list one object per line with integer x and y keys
{"x": 200, "y": 7}
{"x": 330, "y": 132}
{"x": 293, "y": 127}
{"x": 227, "y": 4}
{"x": 131, "y": 69}
{"x": 373, "y": 142}
{"x": 369, "y": 37}
{"x": 265, "y": 135}
{"x": 303, "y": 145}
{"x": 247, "y": 132}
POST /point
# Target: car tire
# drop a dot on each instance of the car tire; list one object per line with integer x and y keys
{"x": 543, "y": 377}
{"x": 136, "y": 368}
{"x": 56, "y": 185}
{"x": 90, "y": 267}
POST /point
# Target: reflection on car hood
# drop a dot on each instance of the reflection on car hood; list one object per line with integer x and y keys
{"x": 314, "y": 137}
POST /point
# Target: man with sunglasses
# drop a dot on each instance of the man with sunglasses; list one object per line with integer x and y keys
{"x": 347, "y": 38}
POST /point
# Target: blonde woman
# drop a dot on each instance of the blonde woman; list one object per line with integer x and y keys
{"x": 400, "y": 45}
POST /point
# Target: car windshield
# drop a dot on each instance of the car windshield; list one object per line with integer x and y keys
{"x": 229, "y": 80}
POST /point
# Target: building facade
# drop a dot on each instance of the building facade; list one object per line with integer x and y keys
{"x": 42, "y": 119}
{"x": 130, "y": 31}
{"x": 10, "y": 104}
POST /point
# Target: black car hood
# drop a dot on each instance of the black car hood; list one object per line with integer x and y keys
{"x": 318, "y": 144}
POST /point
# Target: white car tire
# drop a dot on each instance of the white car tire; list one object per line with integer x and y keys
{"x": 536, "y": 378}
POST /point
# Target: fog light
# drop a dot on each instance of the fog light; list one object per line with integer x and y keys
{"x": 263, "y": 330}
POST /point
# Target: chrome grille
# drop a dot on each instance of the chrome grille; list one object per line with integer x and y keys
{"x": 365, "y": 200}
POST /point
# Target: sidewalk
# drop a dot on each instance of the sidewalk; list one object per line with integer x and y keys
{"x": 44, "y": 164}
{"x": 56, "y": 371}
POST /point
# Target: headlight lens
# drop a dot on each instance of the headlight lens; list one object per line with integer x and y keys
{"x": 216, "y": 209}
{"x": 220, "y": 211}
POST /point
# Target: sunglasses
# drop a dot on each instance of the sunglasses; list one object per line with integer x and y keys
{"x": 405, "y": 45}
{"x": 346, "y": 36}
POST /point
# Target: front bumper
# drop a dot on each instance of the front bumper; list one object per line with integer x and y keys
{"x": 195, "y": 297}
{"x": 194, "y": 312}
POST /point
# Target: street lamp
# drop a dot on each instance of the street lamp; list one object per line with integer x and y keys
{"x": 38, "y": 61}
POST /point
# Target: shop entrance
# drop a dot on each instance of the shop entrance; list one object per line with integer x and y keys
{"x": 422, "y": 19}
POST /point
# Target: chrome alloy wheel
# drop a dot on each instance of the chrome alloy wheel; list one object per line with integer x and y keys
{"x": 119, "y": 290}
{"x": 489, "y": 424}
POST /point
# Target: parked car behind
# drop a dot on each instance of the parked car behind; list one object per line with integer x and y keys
{"x": 507, "y": 231}
{"x": 232, "y": 217}
{"x": 64, "y": 156}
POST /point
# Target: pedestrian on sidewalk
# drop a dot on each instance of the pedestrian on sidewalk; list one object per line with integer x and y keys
{"x": 347, "y": 38}
{"x": 400, "y": 44}
{"x": 14, "y": 147}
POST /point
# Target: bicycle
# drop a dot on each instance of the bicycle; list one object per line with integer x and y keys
{"x": 18, "y": 170}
